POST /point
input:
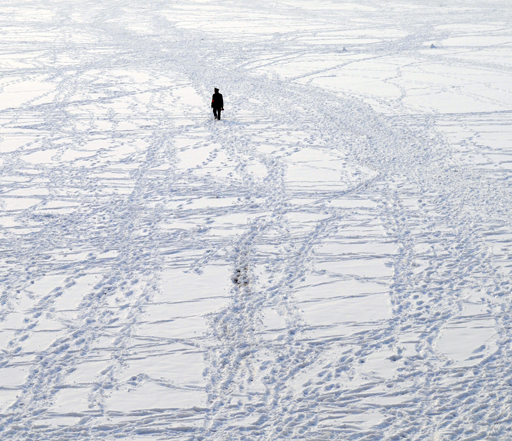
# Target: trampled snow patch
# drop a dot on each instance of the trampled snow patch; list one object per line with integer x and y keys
{"x": 330, "y": 260}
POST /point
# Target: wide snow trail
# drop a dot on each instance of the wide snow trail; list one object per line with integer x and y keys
{"x": 329, "y": 261}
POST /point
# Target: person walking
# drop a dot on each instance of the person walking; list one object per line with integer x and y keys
{"x": 217, "y": 103}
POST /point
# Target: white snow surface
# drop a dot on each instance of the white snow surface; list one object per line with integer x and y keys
{"x": 330, "y": 261}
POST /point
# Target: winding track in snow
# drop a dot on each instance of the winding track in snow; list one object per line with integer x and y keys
{"x": 439, "y": 212}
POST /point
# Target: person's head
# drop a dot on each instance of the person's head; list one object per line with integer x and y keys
{"x": 216, "y": 90}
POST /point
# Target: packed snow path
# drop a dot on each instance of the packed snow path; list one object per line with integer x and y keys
{"x": 329, "y": 261}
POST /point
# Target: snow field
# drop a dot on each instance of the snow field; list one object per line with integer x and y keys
{"x": 329, "y": 261}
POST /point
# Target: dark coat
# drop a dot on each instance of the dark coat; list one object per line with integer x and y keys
{"x": 217, "y": 101}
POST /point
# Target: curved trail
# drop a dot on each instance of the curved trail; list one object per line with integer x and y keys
{"x": 346, "y": 244}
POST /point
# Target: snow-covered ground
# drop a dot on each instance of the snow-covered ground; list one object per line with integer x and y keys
{"x": 332, "y": 260}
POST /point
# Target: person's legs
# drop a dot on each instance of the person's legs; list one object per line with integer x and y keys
{"x": 218, "y": 113}
{"x": 215, "y": 113}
